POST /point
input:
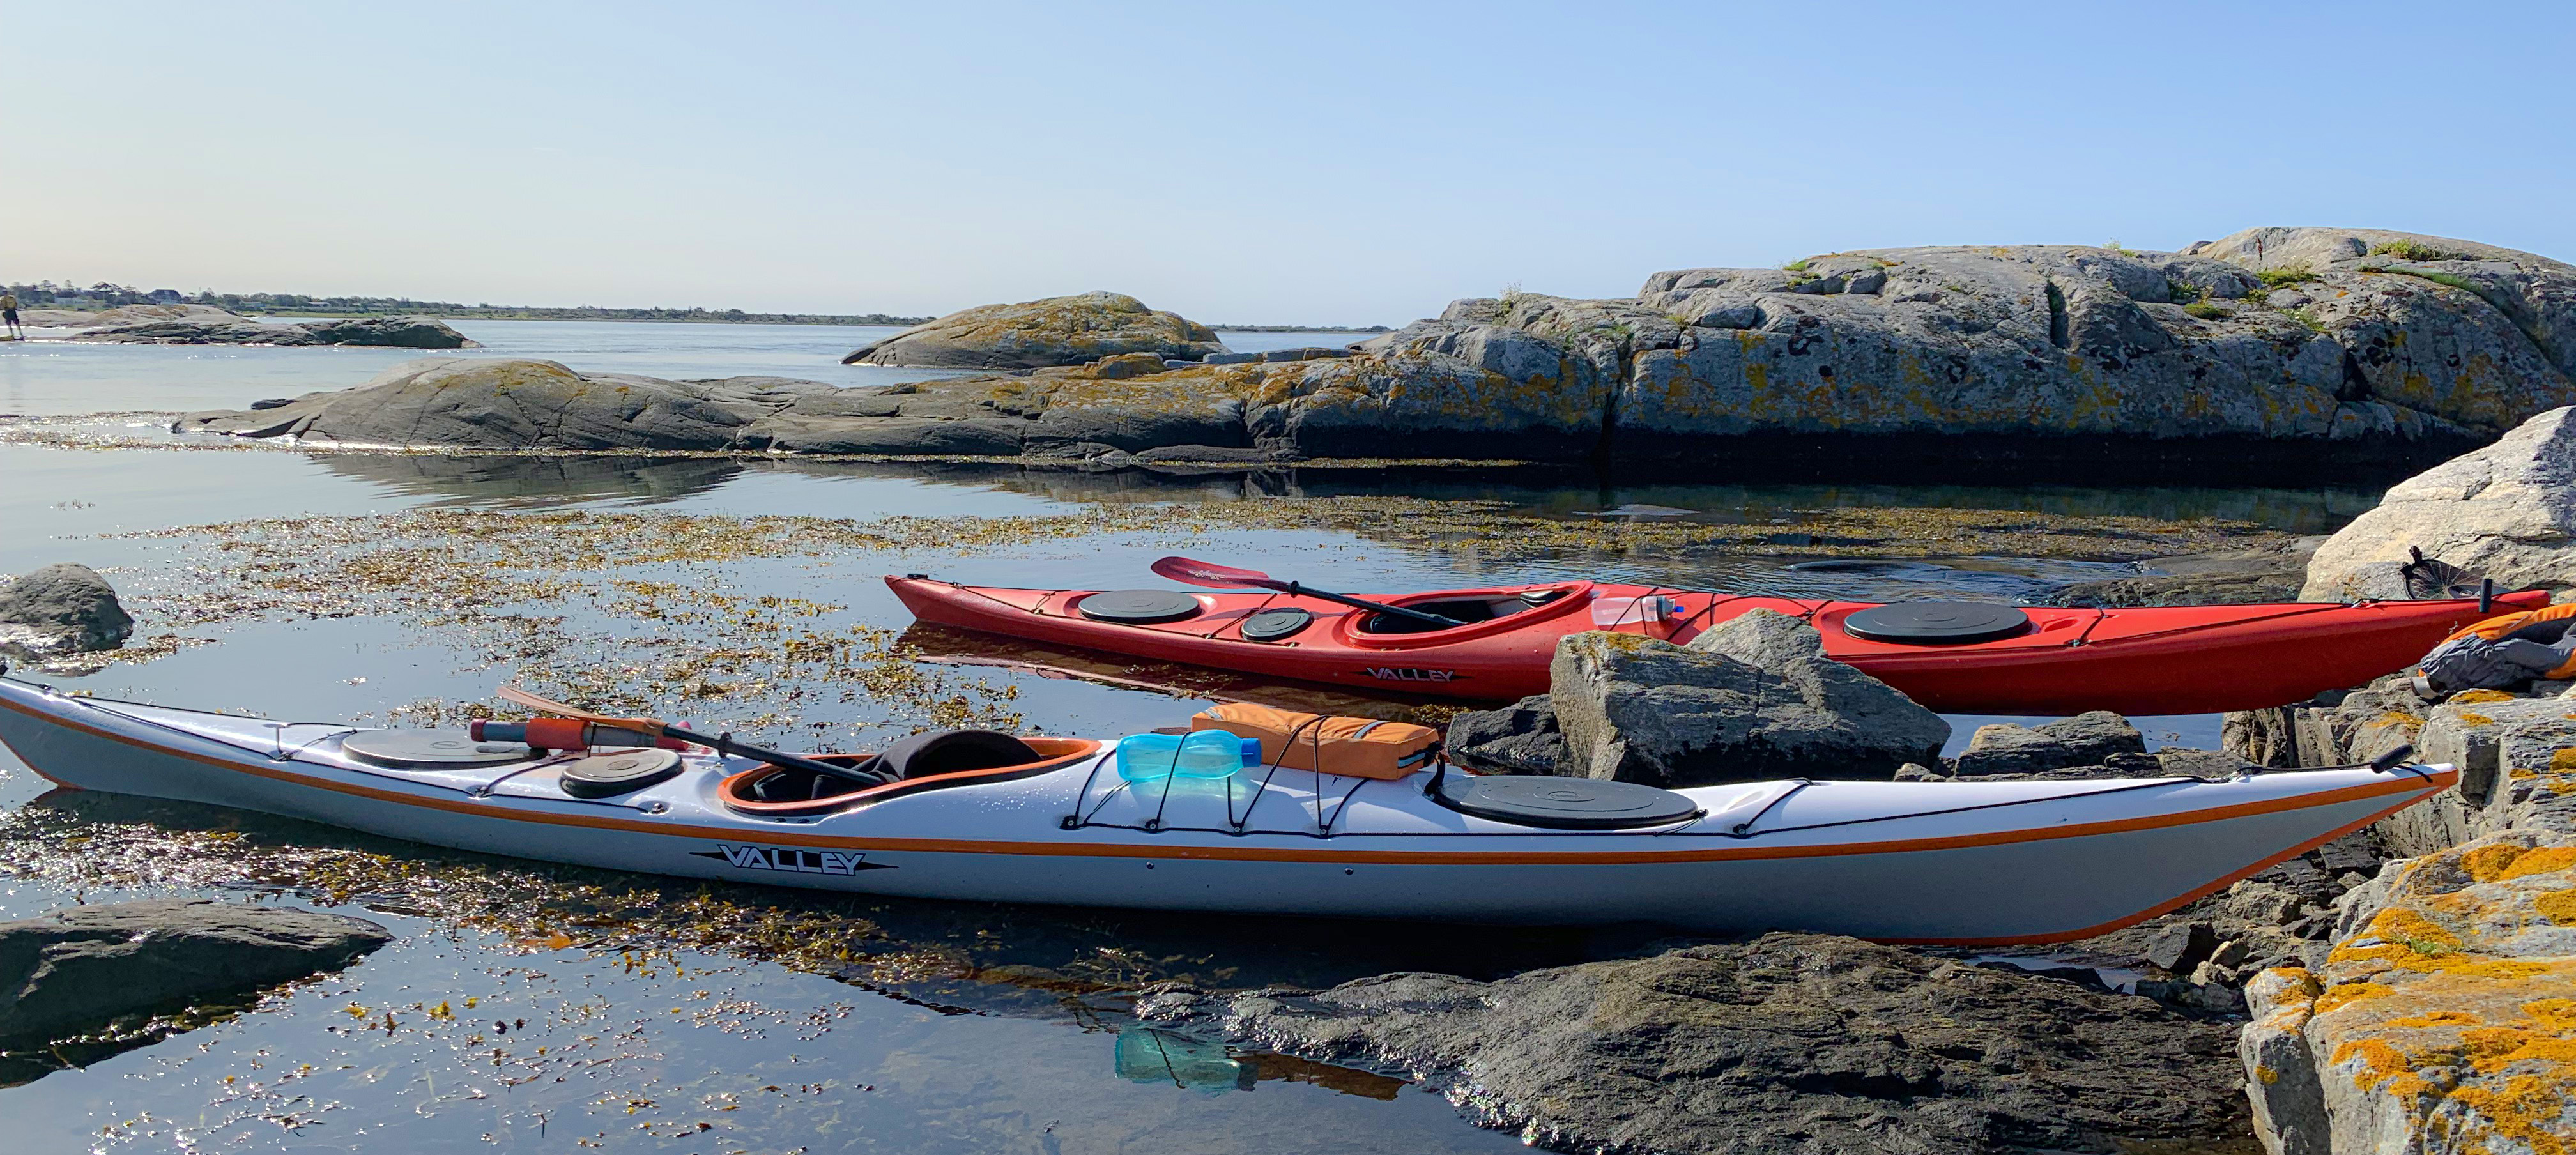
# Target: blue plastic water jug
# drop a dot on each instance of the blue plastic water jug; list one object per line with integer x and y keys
{"x": 1197, "y": 754}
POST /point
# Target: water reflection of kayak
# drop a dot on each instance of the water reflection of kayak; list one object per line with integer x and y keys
{"x": 1963, "y": 863}
{"x": 1953, "y": 657}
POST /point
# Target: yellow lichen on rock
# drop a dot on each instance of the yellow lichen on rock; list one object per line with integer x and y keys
{"x": 2448, "y": 1023}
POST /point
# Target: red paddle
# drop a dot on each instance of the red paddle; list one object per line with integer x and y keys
{"x": 1201, "y": 573}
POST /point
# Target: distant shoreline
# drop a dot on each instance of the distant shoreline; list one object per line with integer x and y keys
{"x": 746, "y": 319}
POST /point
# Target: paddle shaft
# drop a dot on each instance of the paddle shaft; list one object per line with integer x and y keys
{"x": 722, "y": 743}
{"x": 1295, "y": 590}
{"x": 725, "y": 744}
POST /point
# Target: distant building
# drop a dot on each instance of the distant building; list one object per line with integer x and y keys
{"x": 163, "y": 296}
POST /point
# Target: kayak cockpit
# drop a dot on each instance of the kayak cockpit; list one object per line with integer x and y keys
{"x": 920, "y": 763}
{"x": 1468, "y": 608}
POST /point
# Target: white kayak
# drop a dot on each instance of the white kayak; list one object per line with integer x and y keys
{"x": 1954, "y": 863}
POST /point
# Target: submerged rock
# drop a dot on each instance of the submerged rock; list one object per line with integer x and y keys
{"x": 1749, "y": 699}
{"x": 2270, "y": 573}
{"x": 1054, "y": 331}
{"x": 2507, "y": 511}
{"x": 64, "y": 608}
{"x": 1788, "y": 1042}
{"x": 84, "y": 965}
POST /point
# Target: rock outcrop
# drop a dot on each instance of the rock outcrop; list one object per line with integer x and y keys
{"x": 1788, "y": 1042}
{"x": 1072, "y": 330}
{"x": 2507, "y": 511}
{"x": 1752, "y": 698}
{"x": 1521, "y": 738}
{"x": 84, "y": 965}
{"x": 60, "y": 609}
{"x": 2363, "y": 351}
{"x": 203, "y": 325}
{"x": 521, "y": 404}
{"x": 2444, "y": 1021}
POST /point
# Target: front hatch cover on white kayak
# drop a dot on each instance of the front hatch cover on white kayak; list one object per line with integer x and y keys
{"x": 430, "y": 749}
{"x": 1563, "y": 803}
{"x": 618, "y": 772}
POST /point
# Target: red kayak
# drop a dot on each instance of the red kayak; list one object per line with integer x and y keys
{"x": 1954, "y": 657}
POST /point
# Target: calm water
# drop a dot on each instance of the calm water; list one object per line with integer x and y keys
{"x": 769, "y": 1058}
{"x": 53, "y": 376}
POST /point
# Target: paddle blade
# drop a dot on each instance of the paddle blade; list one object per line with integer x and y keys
{"x": 1202, "y": 573}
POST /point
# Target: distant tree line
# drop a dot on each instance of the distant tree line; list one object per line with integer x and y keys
{"x": 105, "y": 295}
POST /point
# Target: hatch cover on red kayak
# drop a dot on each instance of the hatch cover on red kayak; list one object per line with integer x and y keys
{"x": 1139, "y": 607}
{"x": 1936, "y": 623}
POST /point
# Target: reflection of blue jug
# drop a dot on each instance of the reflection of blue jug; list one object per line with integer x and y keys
{"x": 1197, "y": 754}
{"x": 1150, "y": 1056}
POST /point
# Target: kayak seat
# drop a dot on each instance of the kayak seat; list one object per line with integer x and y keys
{"x": 923, "y": 762}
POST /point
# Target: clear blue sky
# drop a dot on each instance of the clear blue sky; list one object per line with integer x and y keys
{"x": 1324, "y": 162}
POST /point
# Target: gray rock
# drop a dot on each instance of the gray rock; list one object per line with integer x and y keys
{"x": 84, "y": 965}
{"x": 1752, "y": 698}
{"x": 201, "y": 325}
{"x": 395, "y": 332}
{"x": 2083, "y": 740}
{"x": 2507, "y": 511}
{"x": 2181, "y": 948}
{"x": 1208, "y": 455}
{"x": 63, "y": 608}
{"x": 1230, "y": 358}
{"x": 1521, "y": 738}
{"x": 1072, "y": 330}
{"x": 1787, "y": 1043}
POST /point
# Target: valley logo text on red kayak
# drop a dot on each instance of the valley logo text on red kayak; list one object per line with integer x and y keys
{"x": 1407, "y": 674}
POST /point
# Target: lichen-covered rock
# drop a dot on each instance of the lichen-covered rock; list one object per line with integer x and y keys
{"x": 1749, "y": 699}
{"x": 1053, "y": 331}
{"x": 1786, "y": 1043}
{"x": 2507, "y": 511}
{"x": 2443, "y": 1021}
{"x": 497, "y": 403}
{"x": 83, "y": 965}
{"x": 2270, "y": 573}
{"x": 63, "y": 608}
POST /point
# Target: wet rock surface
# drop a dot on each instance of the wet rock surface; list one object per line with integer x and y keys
{"x": 1071, "y": 330}
{"x": 84, "y": 965}
{"x": 1787, "y": 1042}
{"x": 1750, "y": 699}
{"x": 2507, "y": 511}
{"x": 63, "y": 608}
